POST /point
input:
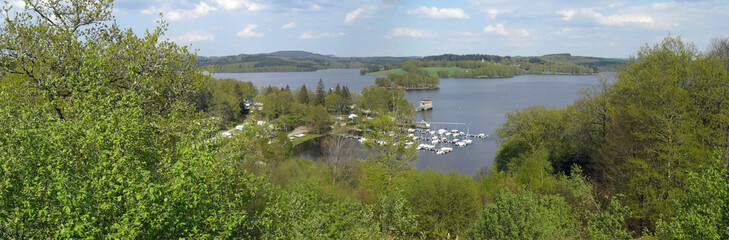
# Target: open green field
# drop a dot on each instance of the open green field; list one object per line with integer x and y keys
{"x": 388, "y": 72}
{"x": 433, "y": 71}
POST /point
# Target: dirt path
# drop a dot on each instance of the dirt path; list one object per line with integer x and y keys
{"x": 298, "y": 130}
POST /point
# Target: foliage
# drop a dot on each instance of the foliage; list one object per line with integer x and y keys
{"x": 703, "y": 211}
{"x": 99, "y": 138}
{"x": 638, "y": 135}
{"x": 225, "y": 98}
{"x": 396, "y": 217}
{"x": 49, "y": 42}
{"x": 444, "y": 204}
{"x": 491, "y": 66}
{"x": 719, "y": 49}
{"x": 114, "y": 171}
{"x": 301, "y": 213}
{"x": 339, "y": 152}
{"x": 336, "y": 103}
{"x": 319, "y": 120}
{"x": 320, "y": 92}
{"x": 386, "y": 145}
{"x": 415, "y": 78}
{"x": 669, "y": 122}
{"x": 534, "y": 172}
{"x": 524, "y": 215}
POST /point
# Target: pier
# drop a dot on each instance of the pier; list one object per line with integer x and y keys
{"x": 425, "y": 105}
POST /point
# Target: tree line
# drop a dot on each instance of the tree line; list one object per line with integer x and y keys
{"x": 654, "y": 137}
{"x": 414, "y": 78}
{"x": 490, "y": 67}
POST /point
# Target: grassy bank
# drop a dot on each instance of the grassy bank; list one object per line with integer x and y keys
{"x": 305, "y": 138}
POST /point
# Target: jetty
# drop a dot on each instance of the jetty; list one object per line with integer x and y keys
{"x": 425, "y": 105}
{"x": 441, "y": 141}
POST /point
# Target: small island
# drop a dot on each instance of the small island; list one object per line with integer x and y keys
{"x": 411, "y": 78}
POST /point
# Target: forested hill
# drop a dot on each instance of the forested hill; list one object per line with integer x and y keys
{"x": 301, "y": 61}
{"x": 291, "y": 61}
{"x": 605, "y": 63}
{"x": 493, "y": 66}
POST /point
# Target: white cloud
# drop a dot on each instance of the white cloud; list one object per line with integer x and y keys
{"x": 492, "y": 12}
{"x": 203, "y": 8}
{"x": 249, "y": 33}
{"x": 194, "y": 37}
{"x": 150, "y": 11}
{"x": 567, "y": 14}
{"x": 407, "y": 32}
{"x": 311, "y": 35}
{"x": 499, "y": 29}
{"x": 351, "y": 16}
{"x": 442, "y": 13}
{"x": 290, "y": 25}
{"x": 611, "y": 20}
{"x": 237, "y": 4}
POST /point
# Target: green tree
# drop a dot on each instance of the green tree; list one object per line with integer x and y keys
{"x": 303, "y": 95}
{"x": 99, "y": 138}
{"x": 320, "y": 92}
{"x": 374, "y": 99}
{"x": 444, "y": 204}
{"x": 340, "y": 152}
{"x": 335, "y": 103}
{"x": 703, "y": 211}
{"x": 386, "y": 144}
{"x": 719, "y": 49}
{"x": 302, "y": 213}
{"x": 660, "y": 128}
{"x": 47, "y": 42}
{"x": 524, "y": 215}
{"x": 319, "y": 120}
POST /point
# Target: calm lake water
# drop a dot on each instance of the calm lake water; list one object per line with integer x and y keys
{"x": 481, "y": 103}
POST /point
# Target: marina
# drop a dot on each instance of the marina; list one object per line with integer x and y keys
{"x": 483, "y": 103}
{"x": 439, "y": 141}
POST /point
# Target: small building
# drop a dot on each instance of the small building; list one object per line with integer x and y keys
{"x": 425, "y": 105}
{"x": 227, "y": 134}
{"x": 352, "y": 116}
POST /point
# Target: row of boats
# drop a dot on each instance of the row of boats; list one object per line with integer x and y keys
{"x": 439, "y": 141}
{"x": 433, "y": 140}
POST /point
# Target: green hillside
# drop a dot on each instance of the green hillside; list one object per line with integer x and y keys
{"x": 290, "y": 61}
{"x": 604, "y": 64}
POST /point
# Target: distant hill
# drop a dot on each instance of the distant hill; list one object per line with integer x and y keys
{"x": 606, "y": 64}
{"x": 291, "y": 61}
{"x": 599, "y": 64}
{"x": 302, "y": 61}
{"x": 297, "y": 54}
{"x": 494, "y": 66}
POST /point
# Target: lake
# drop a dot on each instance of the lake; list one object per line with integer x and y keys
{"x": 481, "y": 103}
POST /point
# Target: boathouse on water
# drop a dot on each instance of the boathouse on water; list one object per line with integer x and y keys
{"x": 425, "y": 105}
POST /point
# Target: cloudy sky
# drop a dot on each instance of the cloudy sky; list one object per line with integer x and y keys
{"x": 615, "y": 28}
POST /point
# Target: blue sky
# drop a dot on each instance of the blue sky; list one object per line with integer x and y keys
{"x": 420, "y": 28}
